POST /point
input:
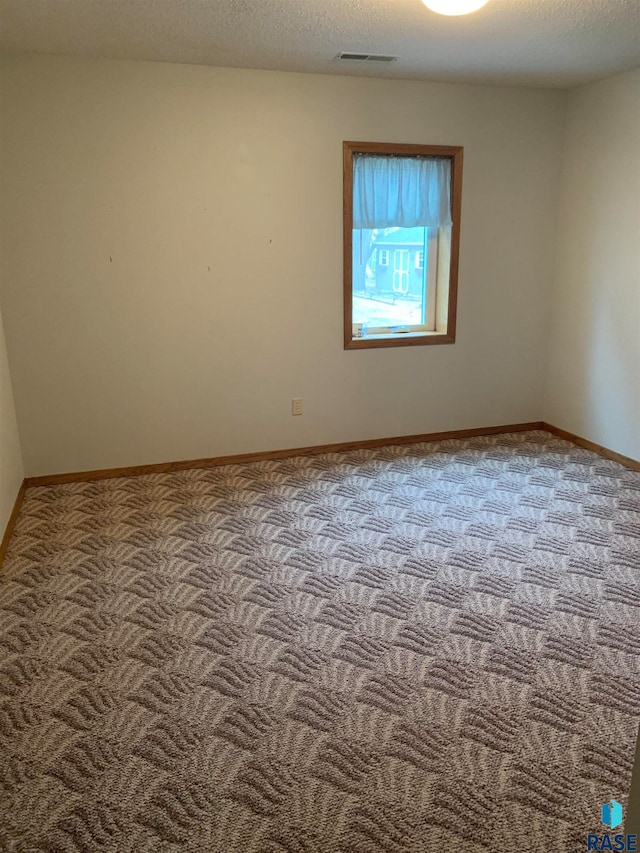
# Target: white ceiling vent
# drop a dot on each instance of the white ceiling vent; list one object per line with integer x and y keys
{"x": 364, "y": 57}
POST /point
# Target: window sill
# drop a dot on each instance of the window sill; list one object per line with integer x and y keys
{"x": 406, "y": 340}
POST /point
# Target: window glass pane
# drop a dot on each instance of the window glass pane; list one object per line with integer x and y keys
{"x": 389, "y": 285}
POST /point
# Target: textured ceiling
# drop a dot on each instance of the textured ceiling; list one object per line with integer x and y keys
{"x": 530, "y": 42}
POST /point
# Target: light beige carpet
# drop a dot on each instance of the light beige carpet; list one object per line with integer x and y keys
{"x": 422, "y": 648}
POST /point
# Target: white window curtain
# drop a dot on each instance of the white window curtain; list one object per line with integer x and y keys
{"x": 401, "y": 192}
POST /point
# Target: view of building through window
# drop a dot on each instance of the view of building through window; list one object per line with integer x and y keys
{"x": 390, "y": 276}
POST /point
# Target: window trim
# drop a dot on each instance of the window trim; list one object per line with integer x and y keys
{"x": 447, "y": 334}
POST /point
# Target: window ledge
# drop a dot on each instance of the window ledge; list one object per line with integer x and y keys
{"x": 407, "y": 339}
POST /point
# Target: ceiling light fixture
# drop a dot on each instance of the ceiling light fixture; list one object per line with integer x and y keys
{"x": 454, "y": 7}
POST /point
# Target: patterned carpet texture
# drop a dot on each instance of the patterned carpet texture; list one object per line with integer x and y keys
{"x": 431, "y": 647}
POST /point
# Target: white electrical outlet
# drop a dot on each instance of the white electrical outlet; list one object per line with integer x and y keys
{"x": 296, "y": 406}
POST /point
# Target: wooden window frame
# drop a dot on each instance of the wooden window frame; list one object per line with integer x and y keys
{"x": 446, "y": 293}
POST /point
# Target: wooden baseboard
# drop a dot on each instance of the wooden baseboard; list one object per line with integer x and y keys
{"x": 634, "y": 464}
{"x": 164, "y": 467}
{"x": 12, "y": 522}
{"x": 341, "y": 447}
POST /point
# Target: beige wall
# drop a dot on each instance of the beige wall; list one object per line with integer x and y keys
{"x": 173, "y": 259}
{"x": 594, "y": 354}
{"x": 11, "y": 472}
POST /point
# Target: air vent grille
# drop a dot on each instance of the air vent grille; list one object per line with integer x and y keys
{"x": 364, "y": 57}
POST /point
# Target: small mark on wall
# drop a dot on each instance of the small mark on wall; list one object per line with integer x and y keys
{"x": 110, "y": 259}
